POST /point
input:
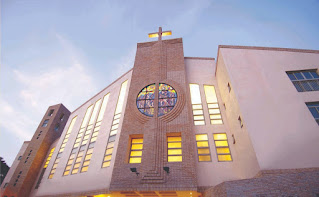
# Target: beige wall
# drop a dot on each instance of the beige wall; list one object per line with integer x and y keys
{"x": 282, "y": 130}
{"x": 96, "y": 178}
{"x": 202, "y": 72}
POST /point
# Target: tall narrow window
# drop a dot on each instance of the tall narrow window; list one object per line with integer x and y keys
{"x": 314, "y": 109}
{"x": 44, "y": 168}
{"x": 115, "y": 126}
{"x": 202, "y": 147}
{"x": 136, "y": 150}
{"x": 212, "y": 103}
{"x": 51, "y": 112}
{"x": 83, "y": 139}
{"x": 304, "y": 80}
{"x": 198, "y": 113}
{"x": 65, "y": 140}
{"x": 174, "y": 149}
{"x": 222, "y": 147}
{"x": 45, "y": 123}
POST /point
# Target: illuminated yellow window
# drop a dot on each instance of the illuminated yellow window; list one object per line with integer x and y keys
{"x": 84, "y": 169}
{"x": 49, "y": 158}
{"x": 198, "y": 113}
{"x": 86, "y": 163}
{"x": 174, "y": 149}
{"x": 106, "y": 164}
{"x": 136, "y": 150}
{"x": 212, "y": 103}
{"x": 222, "y": 147}
{"x": 202, "y": 147}
{"x": 66, "y": 173}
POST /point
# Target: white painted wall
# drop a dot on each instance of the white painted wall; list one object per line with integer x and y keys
{"x": 281, "y": 128}
{"x": 202, "y": 72}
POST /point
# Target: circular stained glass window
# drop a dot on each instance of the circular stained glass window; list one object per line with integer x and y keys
{"x": 167, "y": 98}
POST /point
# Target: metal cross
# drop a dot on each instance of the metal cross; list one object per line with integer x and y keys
{"x": 159, "y": 34}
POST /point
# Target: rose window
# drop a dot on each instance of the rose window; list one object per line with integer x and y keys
{"x": 167, "y": 98}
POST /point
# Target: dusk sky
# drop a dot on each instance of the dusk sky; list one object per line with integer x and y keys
{"x": 57, "y": 51}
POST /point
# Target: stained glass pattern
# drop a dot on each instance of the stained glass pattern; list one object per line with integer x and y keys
{"x": 167, "y": 98}
{"x": 145, "y": 100}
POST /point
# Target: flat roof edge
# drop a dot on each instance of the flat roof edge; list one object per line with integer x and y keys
{"x": 268, "y": 48}
{"x": 200, "y": 58}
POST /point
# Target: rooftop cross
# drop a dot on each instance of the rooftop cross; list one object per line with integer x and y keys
{"x": 159, "y": 34}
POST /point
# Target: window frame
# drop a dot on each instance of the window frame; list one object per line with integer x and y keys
{"x": 300, "y": 82}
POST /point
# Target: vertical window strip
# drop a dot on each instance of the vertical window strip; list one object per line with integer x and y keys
{"x": 84, "y": 131}
{"x": 136, "y": 150}
{"x": 44, "y": 168}
{"x": 222, "y": 147}
{"x": 174, "y": 149}
{"x": 198, "y": 113}
{"x": 65, "y": 140}
{"x": 87, "y": 138}
{"x": 89, "y": 152}
{"x": 212, "y": 103}
{"x": 114, "y": 127}
{"x": 203, "y": 147}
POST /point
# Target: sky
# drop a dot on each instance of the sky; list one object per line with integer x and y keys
{"x": 57, "y": 51}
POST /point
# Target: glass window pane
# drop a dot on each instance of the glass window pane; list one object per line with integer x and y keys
{"x": 213, "y": 111}
{"x": 298, "y": 86}
{"x": 215, "y": 105}
{"x": 218, "y": 116}
{"x": 305, "y": 85}
{"x": 203, "y": 151}
{"x": 136, "y": 153}
{"x": 202, "y": 144}
{"x": 86, "y": 163}
{"x": 108, "y": 151}
{"x": 174, "y": 139}
{"x": 87, "y": 115}
{"x": 197, "y": 112}
{"x": 135, "y": 160}
{"x": 222, "y": 150}
{"x": 204, "y": 157}
{"x": 108, "y": 158}
{"x": 314, "y": 74}
{"x": 174, "y": 158}
{"x": 224, "y": 158}
{"x": 95, "y": 111}
{"x": 120, "y": 100}
{"x": 195, "y": 94}
{"x": 199, "y": 117}
{"x": 307, "y": 75}
{"x": 221, "y": 143}
{"x": 137, "y": 146}
{"x": 199, "y": 122}
{"x": 210, "y": 94}
{"x": 298, "y": 75}
{"x": 216, "y": 122}
{"x": 66, "y": 173}
{"x": 84, "y": 169}
{"x": 291, "y": 76}
{"x": 197, "y": 106}
{"x": 106, "y": 164}
{"x": 139, "y": 141}
{"x": 174, "y": 145}
{"x": 200, "y": 137}
{"x": 220, "y": 136}
{"x": 74, "y": 171}
{"x": 103, "y": 107}
{"x": 174, "y": 151}
{"x": 314, "y": 112}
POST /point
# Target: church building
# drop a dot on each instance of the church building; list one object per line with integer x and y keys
{"x": 243, "y": 124}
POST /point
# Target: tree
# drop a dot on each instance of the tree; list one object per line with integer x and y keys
{"x": 4, "y": 168}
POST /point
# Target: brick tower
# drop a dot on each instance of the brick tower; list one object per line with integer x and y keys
{"x": 156, "y": 63}
{"x": 49, "y": 129}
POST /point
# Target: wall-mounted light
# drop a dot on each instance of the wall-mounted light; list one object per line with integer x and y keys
{"x": 134, "y": 170}
{"x": 166, "y": 169}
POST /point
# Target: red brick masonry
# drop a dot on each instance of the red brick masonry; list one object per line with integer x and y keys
{"x": 268, "y": 183}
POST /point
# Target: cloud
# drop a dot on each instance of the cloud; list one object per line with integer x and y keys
{"x": 69, "y": 83}
{"x": 124, "y": 64}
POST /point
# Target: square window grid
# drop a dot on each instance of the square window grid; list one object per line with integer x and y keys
{"x": 304, "y": 81}
{"x": 203, "y": 147}
{"x": 136, "y": 150}
{"x": 174, "y": 149}
{"x": 222, "y": 147}
{"x": 314, "y": 109}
